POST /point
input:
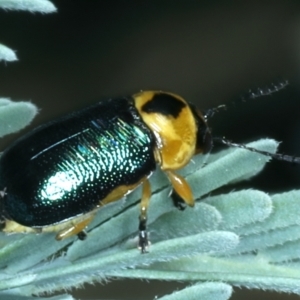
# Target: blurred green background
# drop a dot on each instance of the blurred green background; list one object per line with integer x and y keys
{"x": 209, "y": 52}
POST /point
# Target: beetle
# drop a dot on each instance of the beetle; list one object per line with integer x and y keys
{"x": 56, "y": 177}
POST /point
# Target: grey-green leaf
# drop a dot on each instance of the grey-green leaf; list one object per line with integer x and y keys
{"x": 6, "y": 53}
{"x": 17, "y": 296}
{"x": 42, "y": 6}
{"x": 203, "y": 291}
{"x": 242, "y": 208}
{"x": 15, "y": 115}
{"x": 232, "y": 238}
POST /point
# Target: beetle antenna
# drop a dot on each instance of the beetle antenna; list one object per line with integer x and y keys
{"x": 209, "y": 113}
{"x": 265, "y": 91}
{"x": 250, "y": 94}
{"x": 277, "y": 156}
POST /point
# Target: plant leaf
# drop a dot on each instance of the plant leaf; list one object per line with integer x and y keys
{"x": 7, "y": 54}
{"x": 203, "y": 291}
{"x": 42, "y": 6}
{"x": 244, "y": 238}
{"x": 15, "y": 116}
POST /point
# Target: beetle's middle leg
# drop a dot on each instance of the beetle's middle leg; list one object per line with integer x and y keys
{"x": 143, "y": 235}
{"x": 75, "y": 228}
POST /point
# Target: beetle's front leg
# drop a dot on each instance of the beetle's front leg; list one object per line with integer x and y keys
{"x": 182, "y": 194}
{"x": 178, "y": 202}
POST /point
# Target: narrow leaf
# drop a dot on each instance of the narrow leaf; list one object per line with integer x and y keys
{"x": 6, "y": 53}
{"x": 42, "y": 6}
{"x": 203, "y": 291}
{"x": 15, "y": 115}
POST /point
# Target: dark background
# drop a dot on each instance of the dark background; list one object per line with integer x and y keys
{"x": 210, "y": 52}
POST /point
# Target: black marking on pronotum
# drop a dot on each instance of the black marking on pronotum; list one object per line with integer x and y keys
{"x": 164, "y": 104}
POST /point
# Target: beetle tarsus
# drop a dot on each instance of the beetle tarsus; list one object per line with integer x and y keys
{"x": 177, "y": 200}
{"x": 143, "y": 235}
{"x": 82, "y": 235}
{"x": 143, "y": 241}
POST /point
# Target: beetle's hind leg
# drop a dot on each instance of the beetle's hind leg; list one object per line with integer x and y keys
{"x": 143, "y": 235}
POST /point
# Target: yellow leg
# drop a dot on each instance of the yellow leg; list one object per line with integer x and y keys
{"x": 181, "y": 187}
{"x": 77, "y": 228}
{"x": 143, "y": 236}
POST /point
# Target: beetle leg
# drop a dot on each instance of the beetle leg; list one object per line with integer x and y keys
{"x": 178, "y": 202}
{"x": 82, "y": 235}
{"x": 143, "y": 235}
{"x": 77, "y": 228}
{"x": 182, "y": 190}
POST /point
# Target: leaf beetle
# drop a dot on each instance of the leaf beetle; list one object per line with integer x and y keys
{"x": 56, "y": 177}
